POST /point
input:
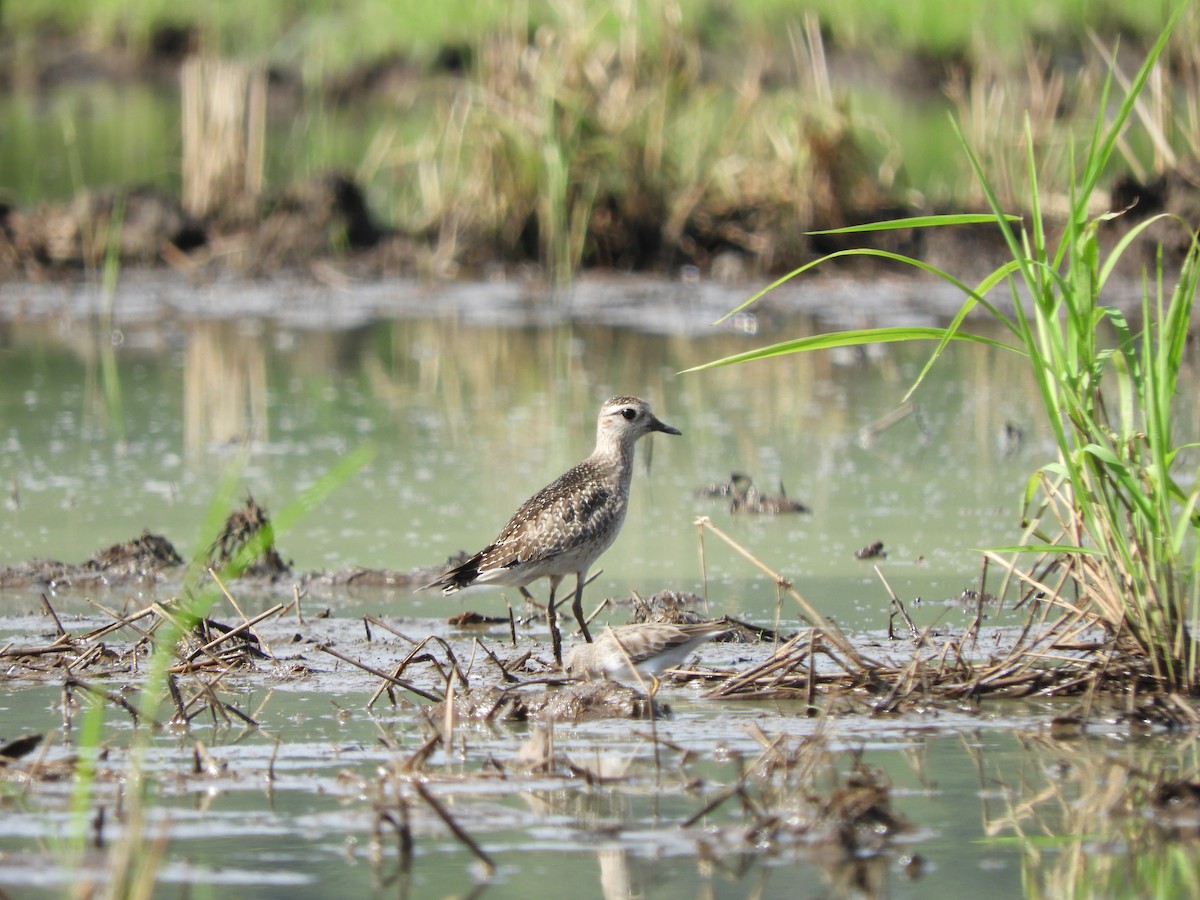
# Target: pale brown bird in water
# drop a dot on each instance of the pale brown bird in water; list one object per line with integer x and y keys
{"x": 563, "y": 528}
{"x": 652, "y": 647}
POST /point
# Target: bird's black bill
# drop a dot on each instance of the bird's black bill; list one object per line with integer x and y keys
{"x": 656, "y": 425}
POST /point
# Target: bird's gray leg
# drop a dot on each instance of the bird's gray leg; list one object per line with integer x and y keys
{"x": 552, "y": 621}
{"x": 577, "y": 606}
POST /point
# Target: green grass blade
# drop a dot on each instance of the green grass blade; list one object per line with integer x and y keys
{"x": 1098, "y": 160}
{"x": 880, "y": 254}
{"x": 918, "y": 222}
{"x": 1040, "y": 549}
{"x": 981, "y": 289}
{"x": 849, "y": 339}
{"x": 1118, "y": 250}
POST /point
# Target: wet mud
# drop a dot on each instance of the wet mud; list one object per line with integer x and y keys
{"x": 457, "y": 736}
{"x": 289, "y": 233}
{"x": 412, "y": 734}
{"x": 146, "y": 559}
{"x": 245, "y": 548}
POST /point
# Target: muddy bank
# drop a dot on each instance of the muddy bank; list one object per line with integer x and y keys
{"x": 244, "y": 548}
{"x": 157, "y": 305}
{"x": 638, "y": 216}
{"x": 323, "y": 230}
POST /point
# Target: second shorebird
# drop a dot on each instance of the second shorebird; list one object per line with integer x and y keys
{"x": 563, "y": 528}
{"x": 650, "y": 647}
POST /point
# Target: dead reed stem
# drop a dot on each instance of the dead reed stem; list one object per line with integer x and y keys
{"x": 50, "y": 611}
{"x": 398, "y": 682}
{"x": 246, "y": 626}
{"x": 224, "y": 127}
{"x": 807, "y": 610}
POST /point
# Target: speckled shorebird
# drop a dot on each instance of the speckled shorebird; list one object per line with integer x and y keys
{"x": 563, "y": 528}
{"x": 651, "y": 646}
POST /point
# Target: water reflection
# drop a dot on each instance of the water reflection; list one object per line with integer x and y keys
{"x": 721, "y": 799}
{"x": 1124, "y": 809}
{"x": 224, "y": 385}
{"x": 470, "y": 419}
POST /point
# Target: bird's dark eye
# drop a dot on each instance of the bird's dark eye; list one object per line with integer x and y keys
{"x": 629, "y": 413}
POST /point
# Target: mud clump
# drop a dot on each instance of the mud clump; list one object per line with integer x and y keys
{"x": 137, "y": 557}
{"x": 247, "y": 543}
{"x": 149, "y": 557}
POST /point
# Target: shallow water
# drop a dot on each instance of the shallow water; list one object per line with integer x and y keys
{"x": 466, "y": 419}
{"x": 293, "y": 804}
{"x": 468, "y": 412}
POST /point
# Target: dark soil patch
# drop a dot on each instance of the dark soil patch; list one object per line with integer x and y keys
{"x": 324, "y": 226}
{"x": 145, "y": 559}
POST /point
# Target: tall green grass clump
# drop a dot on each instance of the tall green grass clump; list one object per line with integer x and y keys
{"x": 599, "y": 139}
{"x": 1112, "y": 521}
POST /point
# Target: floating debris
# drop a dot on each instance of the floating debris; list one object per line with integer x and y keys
{"x": 971, "y": 597}
{"x": 871, "y": 551}
{"x": 752, "y": 501}
{"x": 723, "y": 488}
{"x": 745, "y": 497}
{"x": 1011, "y": 439}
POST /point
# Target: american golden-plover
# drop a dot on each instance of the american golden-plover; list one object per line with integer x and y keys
{"x": 650, "y": 646}
{"x": 563, "y": 528}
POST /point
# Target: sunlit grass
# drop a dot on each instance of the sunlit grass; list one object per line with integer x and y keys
{"x": 329, "y": 37}
{"x": 601, "y": 149}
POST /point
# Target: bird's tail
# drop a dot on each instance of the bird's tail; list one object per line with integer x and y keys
{"x": 456, "y": 578}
